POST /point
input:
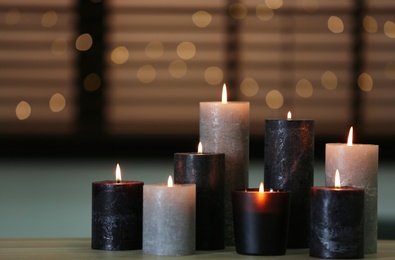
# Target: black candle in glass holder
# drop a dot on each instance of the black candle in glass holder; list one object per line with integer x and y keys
{"x": 261, "y": 221}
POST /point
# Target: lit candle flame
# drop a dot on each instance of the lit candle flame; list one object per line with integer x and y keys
{"x": 337, "y": 180}
{"x": 349, "y": 141}
{"x": 200, "y": 148}
{"x": 118, "y": 177}
{"x": 170, "y": 181}
{"x": 224, "y": 95}
{"x": 261, "y": 188}
{"x": 289, "y": 115}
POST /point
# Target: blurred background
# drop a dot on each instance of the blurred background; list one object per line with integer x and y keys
{"x": 123, "y": 79}
{"x": 83, "y": 74}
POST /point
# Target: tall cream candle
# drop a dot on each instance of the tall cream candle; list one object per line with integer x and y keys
{"x": 358, "y": 166}
{"x": 224, "y": 128}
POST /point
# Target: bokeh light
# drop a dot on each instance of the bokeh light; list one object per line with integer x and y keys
{"x": 92, "y": 82}
{"x": 120, "y": 55}
{"x": 249, "y": 87}
{"x": 177, "y": 69}
{"x": 154, "y": 49}
{"x": 213, "y": 75}
{"x": 274, "y": 99}
{"x": 329, "y": 80}
{"x": 146, "y": 74}
{"x": 274, "y": 4}
{"x": 201, "y": 19}
{"x": 370, "y": 24}
{"x": 49, "y": 19}
{"x": 304, "y": 88}
{"x": 23, "y": 110}
{"x": 238, "y": 11}
{"x": 389, "y": 29}
{"x": 365, "y": 82}
{"x": 335, "y": 24}
{"x": 263, "y": 12}
{"x": 57, "y": 102}
{"x": 84, "y": 42}
{"x": 186, "y": 50}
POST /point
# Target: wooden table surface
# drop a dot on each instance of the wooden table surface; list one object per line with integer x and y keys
{"x": 79, "y": 248}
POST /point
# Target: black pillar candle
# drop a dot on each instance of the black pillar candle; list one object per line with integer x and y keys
{"x": 337, "y": 216}
{"x": 260, "y": 221}
{"x": 289, "y": 165}
{"x": 207, "y": 171}
{"x": 117, "y": 208}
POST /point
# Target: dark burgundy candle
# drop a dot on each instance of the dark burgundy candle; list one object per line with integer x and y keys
{"x": 207, "y": 171}
{"x": 289, "y": 165}
{"x": 117, "y": 208}
{"x": 260, "y": 221}
{"x": 337, "y": 216}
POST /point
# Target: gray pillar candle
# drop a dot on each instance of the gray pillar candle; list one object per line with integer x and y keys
{"x": 224, "y": 128}
{"x": 117, "y": 208}
{"x": 289, "y": 165}
{"x": 206, "y": 170}
{"x": 337, "y": 222}
{"x": 358, "y": 167}
{"x": 169, "y": 219}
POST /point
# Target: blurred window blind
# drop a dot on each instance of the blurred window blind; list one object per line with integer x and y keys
{"x": 313, "y": 58}
{"x": 37, "y": 69}
{"x": 164, "y": 57}
{"x": 332, "y": 61}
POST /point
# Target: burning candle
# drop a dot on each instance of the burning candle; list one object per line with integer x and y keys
{"x": 169, "y": 219}
{"x": 261, "y": 221}
{"x": 289, "y": 165}
{"x": 337, "y": 221}
{"x": 224, "y": 128}
{"x": 207, "y": 171}
{"x": 358, "y": 165}
{"x": 117, "y": 214}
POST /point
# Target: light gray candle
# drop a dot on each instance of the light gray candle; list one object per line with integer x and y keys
{"x": 358, "y": 167}
{"x": 224, "y": 128}
{"x": 169, "y": 219}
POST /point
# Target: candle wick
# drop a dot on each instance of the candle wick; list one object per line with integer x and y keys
{"x": 118, "y": 181}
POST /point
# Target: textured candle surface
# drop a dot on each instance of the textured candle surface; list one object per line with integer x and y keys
{"x": 358, "y": 167}
{"x": 207, "y": 172}
{"x": 224, "y": 128}
{"x": 289, "y": 165}
{"x": 337, "y": 222}
{"x": 169, "y": 219}
{"x": 117, "y": 215}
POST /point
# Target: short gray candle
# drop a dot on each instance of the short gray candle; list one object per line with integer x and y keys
{"x": 169, "y": 219}
{"x": 224, "y": 128}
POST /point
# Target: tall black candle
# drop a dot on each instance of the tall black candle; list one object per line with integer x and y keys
{"x": 289, "y": 165}
{"x": 117, "y": 208}
{"x": 207, "y": 171}
{"x": 337, "y": 216}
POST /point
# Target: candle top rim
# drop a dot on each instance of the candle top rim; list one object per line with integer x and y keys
{"x": 111, "y": 182}
{"x": 342, "y": 188}
{"x": 174, "y": 185}
{"x": 228, "y": 102}
{"x": 354, "y": 144}
{"x": 256, "y": 190}
{"x": 290, "y": 120}
{"x": 200, "y": 154}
